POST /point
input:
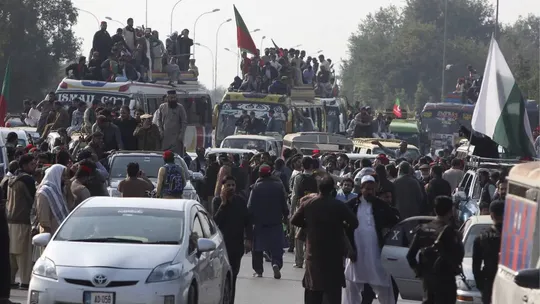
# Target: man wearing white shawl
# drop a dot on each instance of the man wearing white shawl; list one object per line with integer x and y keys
{"x": 51, "y": 206}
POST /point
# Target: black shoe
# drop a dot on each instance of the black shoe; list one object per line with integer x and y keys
{"x": 277, "y": 273}
{"x": 15, "y": 285}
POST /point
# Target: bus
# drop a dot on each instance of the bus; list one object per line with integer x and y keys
{"x": 519, "y": 259}
{"x": 148, "y": 96}
{"x": 227, "y": 112}
{"x": 441, "y": 121}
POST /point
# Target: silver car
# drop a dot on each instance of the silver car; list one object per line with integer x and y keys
{"x": 149, "y": 163}
{"x": 133, "y": 250}
{"x": 394, "y": 258}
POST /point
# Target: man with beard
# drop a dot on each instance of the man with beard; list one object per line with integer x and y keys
{"x": 129, "y": 35}
{"x": 102, "y": 42}
{"x": 171, "y": 121}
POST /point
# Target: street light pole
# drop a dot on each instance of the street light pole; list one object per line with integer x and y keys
{"x": 444, "y": 50}
{"x": 497, "y": 21}
{"x": 211, "y": 54}
{"x": 237, "y": 60}
{"x": 195, "y": 25}
{"x": 146, "y": 20}
{"x": 216, "y": 54}
{"x": 172, "y": 13}
{"x": 111, "y": 19}
{"x": 262, "y": 40}
{"x": 88, "y": 12}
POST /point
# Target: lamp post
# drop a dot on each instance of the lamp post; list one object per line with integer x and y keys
{"x": 211, "y": 54}
{"x": 216, "y": 53}
{"x": 255, "y": 30}
{"x": 195, "y": 25}
{"x": 319, "y": 51}
{"x": 146, "y": 14}
{"x": 444, "y": 51}
{"x": 111, "y": 19}
{"x": 88, "y": 12}
{"x": 237, "y": 60}
{"x": 172, "y": 13}
{"x": 262, "y": 40}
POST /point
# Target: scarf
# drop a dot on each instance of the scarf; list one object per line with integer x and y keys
{"x": 51, "y": 187}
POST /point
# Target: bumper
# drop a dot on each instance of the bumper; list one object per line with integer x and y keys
{"x": 64, "y": 291}
{"x": 468, "y": 297}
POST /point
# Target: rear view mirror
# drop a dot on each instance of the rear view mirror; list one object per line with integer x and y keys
{"x": 528, "y": 278}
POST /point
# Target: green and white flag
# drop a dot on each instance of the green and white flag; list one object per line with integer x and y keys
{"x": 500, "y": 110}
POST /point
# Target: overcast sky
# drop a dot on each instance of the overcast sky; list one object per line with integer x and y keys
{"x": 316, "y": 25}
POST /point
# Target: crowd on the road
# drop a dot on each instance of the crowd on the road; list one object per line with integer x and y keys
{"x": 278, "y": 70}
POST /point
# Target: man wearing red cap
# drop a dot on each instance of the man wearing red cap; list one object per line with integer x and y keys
{"x": 268, "y": 209}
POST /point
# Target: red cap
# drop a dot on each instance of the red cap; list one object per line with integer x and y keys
{"x": 265, "y": 169}
{"x": 168, "y": 154}
{"x": 316, "y": 152}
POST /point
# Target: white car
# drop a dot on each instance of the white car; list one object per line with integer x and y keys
{"x": 149, "y": 163}
{"x": 133, "y": 250}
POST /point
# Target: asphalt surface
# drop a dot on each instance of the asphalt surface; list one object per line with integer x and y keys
{"x": 265, "y": 290}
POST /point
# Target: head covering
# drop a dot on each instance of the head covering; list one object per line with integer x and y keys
{"x": 168, "y": 154}
{"x": 51, "y": 188}
{"x": 364, "y": 172}
{"x": 265, "y": 170}
{"x": 145, "y": 116}
{"x": 367, "y": 179}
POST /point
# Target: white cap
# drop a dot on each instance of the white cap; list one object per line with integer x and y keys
{"x": 367, "y": 179}
{"x": 362, "y": 173}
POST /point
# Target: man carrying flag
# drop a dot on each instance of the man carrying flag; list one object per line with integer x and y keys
{"x": 500, "y": 110}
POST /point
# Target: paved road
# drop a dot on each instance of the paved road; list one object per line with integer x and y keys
{"x": 251, "y": 290}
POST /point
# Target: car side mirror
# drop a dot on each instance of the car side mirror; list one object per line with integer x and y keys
{"x": 528, "y": 278}
{"x": 41, "y": 240}
{"x": 205, "y": 245}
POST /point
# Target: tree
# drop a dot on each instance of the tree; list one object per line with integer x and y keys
{"x": 421, "y": 96}
{"x": 38, "y": 37}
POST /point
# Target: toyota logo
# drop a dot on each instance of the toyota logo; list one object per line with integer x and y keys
{"x": 99, "y": 280}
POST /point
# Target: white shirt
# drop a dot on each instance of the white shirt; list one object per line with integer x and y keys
{"x": 32, "y": 117}
{"x": 368, "y": 267}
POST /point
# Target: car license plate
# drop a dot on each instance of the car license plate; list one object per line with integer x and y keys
{"x": 90, "y": 297}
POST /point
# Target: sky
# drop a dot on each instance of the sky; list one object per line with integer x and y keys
{"x": 329, "y": 27}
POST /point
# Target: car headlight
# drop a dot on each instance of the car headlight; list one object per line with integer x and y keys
{"x": 165, "y": 272}
{"x": 113, "y": 192}
{"x": 45, "y": 267}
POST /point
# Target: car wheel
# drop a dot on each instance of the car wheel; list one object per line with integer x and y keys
{"x": 227, "y": 292}
{"x": 192, "y": 295}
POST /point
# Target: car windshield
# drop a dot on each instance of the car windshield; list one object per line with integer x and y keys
{"x": 244, "y": 143}
{"x": 474, "y": 231}
{"x": 414, "y": 154}
{"x": 123, "y": 225}
{"x": 148, "y": 164}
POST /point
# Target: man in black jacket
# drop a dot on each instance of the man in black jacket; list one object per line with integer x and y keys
{"x": 102, "y": 42}
{"x": 486, "y": 250}
{"x": 232, "y": 218}
{"x": 437, "y": 186}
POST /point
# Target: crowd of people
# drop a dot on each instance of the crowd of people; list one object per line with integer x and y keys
{"x": 278, "y": 70}
{"x": 135, "y": 53}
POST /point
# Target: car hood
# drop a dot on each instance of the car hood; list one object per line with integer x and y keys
{"x": 115, "y": 181}
{"x": 118, "y": 255}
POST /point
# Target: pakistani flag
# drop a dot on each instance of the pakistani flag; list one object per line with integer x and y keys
{"x": 500, "y": 110}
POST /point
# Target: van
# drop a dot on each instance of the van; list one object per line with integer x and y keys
{"x": 253, "y": 142}
{"x": 365, "y": 146}
{"x": 517, "y": 279}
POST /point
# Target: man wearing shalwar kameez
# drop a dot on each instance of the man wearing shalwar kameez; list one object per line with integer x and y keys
{"x": 171, "y": 121}
{"x": 373, "y": 215}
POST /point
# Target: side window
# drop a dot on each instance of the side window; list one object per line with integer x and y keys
{"x": 468, "y": 183}
{"x": 463, "y": 181}
{"x": 477, "y": 190}
{"x": 205, "y": 225}
{"x": 402, "y": 234}
{"x": 196, "y": 233}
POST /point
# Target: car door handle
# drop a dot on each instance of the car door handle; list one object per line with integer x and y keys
{"x": 392, "y": 259}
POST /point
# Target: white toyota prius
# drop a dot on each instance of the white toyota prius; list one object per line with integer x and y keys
{"x": 133, "y": 250}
